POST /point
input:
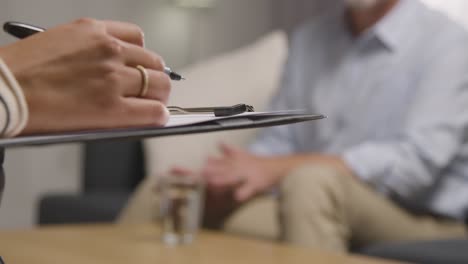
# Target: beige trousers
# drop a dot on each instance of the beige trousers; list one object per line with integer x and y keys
{"x": 317, "y": 207}
{"x": 320, "y": 207}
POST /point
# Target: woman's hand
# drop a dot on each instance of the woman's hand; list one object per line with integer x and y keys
{"x": 83, "y": 75}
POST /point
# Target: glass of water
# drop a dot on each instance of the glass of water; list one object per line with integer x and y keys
{"x": 181, "y": 206}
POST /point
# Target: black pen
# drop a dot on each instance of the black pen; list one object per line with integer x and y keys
{"x": 22, "y": 30}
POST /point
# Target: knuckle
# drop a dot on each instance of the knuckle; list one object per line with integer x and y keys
{"x": 107, "y": 67}
{"x": 86, "y": 21}
{"x": 109, "y": 45}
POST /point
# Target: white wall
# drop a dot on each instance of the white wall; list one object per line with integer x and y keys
{"x": 184, "y": 36}
{"x": 180, "y": 35}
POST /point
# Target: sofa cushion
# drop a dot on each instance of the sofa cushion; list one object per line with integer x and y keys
{"x": 249, "y": 75}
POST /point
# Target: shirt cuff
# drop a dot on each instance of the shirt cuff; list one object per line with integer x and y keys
{"x": 13, "y": 107}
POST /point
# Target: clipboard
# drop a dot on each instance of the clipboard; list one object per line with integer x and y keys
{"x": 178, "y": 125}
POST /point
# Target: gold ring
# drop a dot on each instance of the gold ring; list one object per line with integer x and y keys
{"x": 145, "y": 80}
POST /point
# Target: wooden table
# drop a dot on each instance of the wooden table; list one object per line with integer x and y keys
{"x": 140, "y": 245}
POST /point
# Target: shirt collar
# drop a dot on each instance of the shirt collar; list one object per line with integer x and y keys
{"x": 398, "y": 25}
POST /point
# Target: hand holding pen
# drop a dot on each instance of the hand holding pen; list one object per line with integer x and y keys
{"x": 23, "y": 30}
{"x": 88, "y": 74}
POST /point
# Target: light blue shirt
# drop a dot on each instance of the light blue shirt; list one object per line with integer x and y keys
{"x": 396, "y": 99}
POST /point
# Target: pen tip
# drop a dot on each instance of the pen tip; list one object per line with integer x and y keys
{"x": 176, "y": 77}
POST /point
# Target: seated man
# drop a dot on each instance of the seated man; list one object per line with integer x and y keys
{"x": 391, "y": 161}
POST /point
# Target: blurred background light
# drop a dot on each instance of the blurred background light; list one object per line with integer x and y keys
{"x": 195, "y": 3}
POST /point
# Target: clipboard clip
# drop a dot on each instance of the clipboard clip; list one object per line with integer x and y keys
{"x": 217, "y": 111}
